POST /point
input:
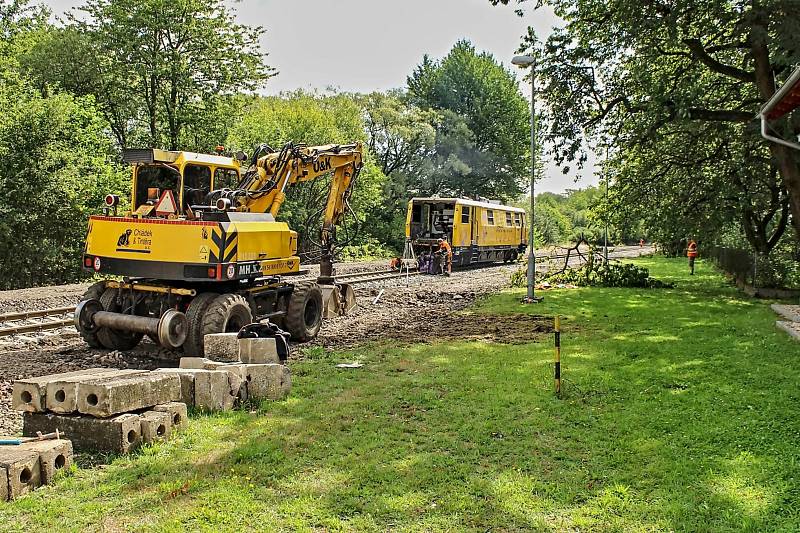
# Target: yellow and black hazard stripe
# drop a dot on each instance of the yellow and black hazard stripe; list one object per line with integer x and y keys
{"x": 557, "y": 370}
{"x": 224, "y": 243}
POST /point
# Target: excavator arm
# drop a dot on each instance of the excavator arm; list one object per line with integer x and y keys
{"x": 263, "y": 187}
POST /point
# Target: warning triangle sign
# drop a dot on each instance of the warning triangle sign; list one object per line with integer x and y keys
{"x": 166, "y": 204}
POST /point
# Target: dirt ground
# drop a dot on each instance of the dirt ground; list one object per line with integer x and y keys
{"x": 417, "y": 310}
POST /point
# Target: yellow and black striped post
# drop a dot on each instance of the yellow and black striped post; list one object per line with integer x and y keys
{"x": 557, "y": 371}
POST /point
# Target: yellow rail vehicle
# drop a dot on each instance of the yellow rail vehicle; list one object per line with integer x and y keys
{"x": 200, "y": 250}
{"x": 479, "y": 231}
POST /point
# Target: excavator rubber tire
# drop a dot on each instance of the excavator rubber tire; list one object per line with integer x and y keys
{"x": 227, "y": 313}
{"x": 114, "y": 339}
{"x": 193, "y": 345}
{"x": 304, "y": 313}
{"x": 93, "y": 293}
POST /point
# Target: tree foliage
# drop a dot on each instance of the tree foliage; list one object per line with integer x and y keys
{"x": 161, "y": 71}
{"x": 483, "y": 137}
{"x": 674, "y": 89}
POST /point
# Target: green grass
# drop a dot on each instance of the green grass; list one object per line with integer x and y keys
{"x": 679, "y": 412}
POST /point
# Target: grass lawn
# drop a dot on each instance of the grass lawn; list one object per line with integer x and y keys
{"x": 679, "y": 413}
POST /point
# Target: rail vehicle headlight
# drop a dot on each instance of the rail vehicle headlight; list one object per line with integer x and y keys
{"x": 223, "y": 204}
{"x": 97, "y": 264}
{"x": 112, "y": 200}
{"x": 231, "y": 272}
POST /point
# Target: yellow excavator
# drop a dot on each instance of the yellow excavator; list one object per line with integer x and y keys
{"x": 200, "y": 251}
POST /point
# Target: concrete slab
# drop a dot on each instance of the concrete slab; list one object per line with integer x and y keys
{"x": 3, "y": 485}
{"x": 258, "y": 351}
{"x": 156, "y": 426}
{"x": 792, "y": 328}
{"x": 221, "y": 347}
{"x": 120, "y": 434}
{"x": 109, "y": 397}
{"x": 268, "y": 382}
{"x": 212, "y": 390}
{"x": 28, "y": 395}
{"x": 197, "y": 363}
{"x": 178, "y": 413}
{"x": 22, "y": 470}
{"x": 186, "y": 376}
{"x": 62, "y": 393}
{"x": 789, "y": 312}
{"x": 54, "y": 455}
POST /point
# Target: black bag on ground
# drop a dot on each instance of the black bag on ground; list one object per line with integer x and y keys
{"x": 268, "y": 330}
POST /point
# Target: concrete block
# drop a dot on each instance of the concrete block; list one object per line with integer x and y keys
{"x": 28, "y": 395}
{"x": 62, "y": 393}
{"x": 268, "y": 382}
{"x": 197, "y": 363}
{"x": 3, "y": 485}
{"x": 258, "y": 351}
{"x": 53, "y": 456}
{"x": 21, "y": 469}
{"x": 212, "y": 390}
{"x": 108, "y": 397}
{"x": 120, "y": 434}
{"x": 156, "y": 426}
{"x": 178, "y": 413}
{"x": 186, "y": 376}
{"x": 221, "y": 347}
{"x": 237, "y": 380}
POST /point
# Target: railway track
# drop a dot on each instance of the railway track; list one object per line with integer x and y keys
{"x": 61, "y": 317}
{"x": 35, "y": 321}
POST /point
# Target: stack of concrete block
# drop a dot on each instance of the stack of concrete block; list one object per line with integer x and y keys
{"x": 102, "y": 409}
{"x": 215, "y": 386}
{"x": 27, "y": 466}
{"x": 227, "y": 348}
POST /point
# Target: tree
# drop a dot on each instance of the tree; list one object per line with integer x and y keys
{"x": 153, "y": 65}
{"x": 482, "y": 140}
{"x": 315, "y": 120}
{"x": 54, "y": 165}
{"x": 675, "y": 89}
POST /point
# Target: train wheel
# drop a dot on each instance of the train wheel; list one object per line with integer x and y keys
{"x": 304, "y": 314}
{"x": 115, "y": 339}
{"x": 227, "y": 313}
{"x": 92, "y": 293}
{"x": 193, "y": 345}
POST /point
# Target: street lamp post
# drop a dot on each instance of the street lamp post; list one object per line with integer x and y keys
{"x": 530, "y": 62}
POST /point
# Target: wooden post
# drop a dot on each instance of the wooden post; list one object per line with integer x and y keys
{"x": 557, "y": 371}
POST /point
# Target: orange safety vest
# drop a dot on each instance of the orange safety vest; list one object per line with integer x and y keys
{"x": 692, "y": 251}
{"x": 446, "y": 247}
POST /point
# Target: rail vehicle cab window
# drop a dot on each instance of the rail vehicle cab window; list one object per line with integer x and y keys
{"x": 225, "y": 178}
{"x": 156, "y": 179}
{"x": 490, "y": 217}
{"x": 516, "y": 219}
{"x": 465, "y": 209}
{"x": 196, "y": 184}
{"x": 508, "y": 218}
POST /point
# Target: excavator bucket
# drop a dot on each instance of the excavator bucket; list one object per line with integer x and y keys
{"x": 337, "y": 299}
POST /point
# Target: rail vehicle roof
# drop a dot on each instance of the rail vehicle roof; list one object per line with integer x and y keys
{"x": 154, "y": 155}
{"x": 476, "y": 203}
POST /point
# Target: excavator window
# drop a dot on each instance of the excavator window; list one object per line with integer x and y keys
{"x": 196, "y": 184}
{"x": 225, "y": 178}
{"x": 158, "y": 176}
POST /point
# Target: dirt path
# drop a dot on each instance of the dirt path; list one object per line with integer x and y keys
{"x": 417, "y": 310}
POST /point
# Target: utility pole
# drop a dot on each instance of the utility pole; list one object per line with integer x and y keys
{"x": 605, "y": 234}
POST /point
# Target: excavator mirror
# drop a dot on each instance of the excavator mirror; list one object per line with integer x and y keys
{"x": 241, "y": 156}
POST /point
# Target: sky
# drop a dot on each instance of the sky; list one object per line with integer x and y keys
{"x": 372, "y": 45}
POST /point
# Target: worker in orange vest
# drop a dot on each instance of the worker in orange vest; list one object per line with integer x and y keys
{"x": 447, "y": 257}
{"x": 691, "y": 253}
